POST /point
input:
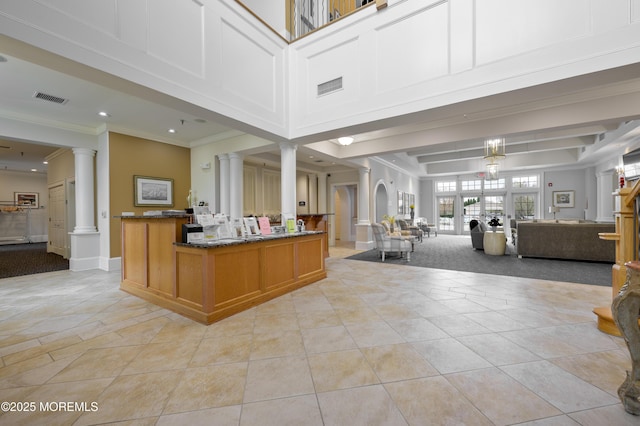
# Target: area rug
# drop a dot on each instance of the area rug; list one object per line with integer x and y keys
{"x": 454, "y": 252}
{"x": 27, "y": 259}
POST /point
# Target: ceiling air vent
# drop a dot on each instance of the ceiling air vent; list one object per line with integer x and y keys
{"x": 330, "y": 86}
{"x": 50, "y": 98}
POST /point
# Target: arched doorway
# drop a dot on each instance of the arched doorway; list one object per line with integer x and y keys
{"x": 381, "y": 201}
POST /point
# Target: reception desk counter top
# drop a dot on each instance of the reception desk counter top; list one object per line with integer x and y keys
{"x": 208, "y": 282}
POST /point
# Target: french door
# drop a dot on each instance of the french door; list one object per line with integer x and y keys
{"x": 482, "y": 208}
{"x": 446, "y": 214}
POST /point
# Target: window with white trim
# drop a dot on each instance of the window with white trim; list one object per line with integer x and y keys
{"x": 471, "y": 185}
{"x": 446, "y": 186}
{"x": 525, "y": 182}
{"x": 495, "y": 184}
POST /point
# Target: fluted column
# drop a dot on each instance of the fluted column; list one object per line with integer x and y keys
{"x": 312, "y": 188}
{"x": 288, "y": 178}
{"x": 236, "y": 186}
{"x": 85, "y": 238}
{"x": 364, "y": 236}
{"x": 363, "y": 196}
{"x": 322, "y": 193}
{"x": 224, "y": 184}
{"x": 85, "y": 199}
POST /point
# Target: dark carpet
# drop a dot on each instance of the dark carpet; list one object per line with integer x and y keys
{"x": 27, "y": 259}
{"x": 454, "y": 252}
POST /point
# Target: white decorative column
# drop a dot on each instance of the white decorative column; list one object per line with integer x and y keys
{"x": 225, "y": 201}
{"x": 288, "y": 179}
{"x": 236, "y": 186}
{"x": 312, "y": 188}
{"x": 364, "y": 236}
{"x": 322, "y": 193}
{"x": 85, "y": 239}
{"x": 605, "y": 198}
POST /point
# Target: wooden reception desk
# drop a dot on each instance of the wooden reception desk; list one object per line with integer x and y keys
{"x": 208, "y": 282}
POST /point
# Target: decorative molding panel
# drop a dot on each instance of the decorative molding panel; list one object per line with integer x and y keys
{"x": 254, "y": 81}
{"x": 414, "y": 50}
{"x": 176, "y": 34}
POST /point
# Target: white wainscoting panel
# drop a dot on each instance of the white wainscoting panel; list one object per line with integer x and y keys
{"x": 176, "y": 34}
{"x": 96, "y": 14}
{"x": 248, "y": 69}
{"x": 507, "y": 28}
{"x": 415, "y": 51}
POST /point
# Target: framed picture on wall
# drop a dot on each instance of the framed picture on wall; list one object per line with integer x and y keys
{"x": 564, "y": 198}
{"x": 151, "y": 191}
{"x": 400, "y": 202}
{"x": 26, "y": 199}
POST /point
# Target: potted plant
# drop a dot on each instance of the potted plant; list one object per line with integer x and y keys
{"x": 391, "y": 220}
{"x": 494, "y": 223}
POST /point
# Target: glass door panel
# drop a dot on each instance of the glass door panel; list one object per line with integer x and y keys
{"x": 524, "y": 206}
{"x": 472, "y": 210}
{"x": 446, "y": 213}
{"x": 494, "y": 207}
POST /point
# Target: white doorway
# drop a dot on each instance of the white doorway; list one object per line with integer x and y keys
{"x": 56, "y": 231}
{"x": 345, "y": 210}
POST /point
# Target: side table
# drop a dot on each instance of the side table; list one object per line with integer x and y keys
{"x": 495, "y": 243}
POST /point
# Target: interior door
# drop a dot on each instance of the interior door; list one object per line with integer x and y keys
{"x": 56, "y": 229}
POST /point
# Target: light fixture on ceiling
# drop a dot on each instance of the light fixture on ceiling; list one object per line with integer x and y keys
{"x": 492, "y": 171}
{"x": 104, "y": 114}
{"x": 345, "y": 140}
{"x": 494, "y": 149}
{"x": 172, "y": 130}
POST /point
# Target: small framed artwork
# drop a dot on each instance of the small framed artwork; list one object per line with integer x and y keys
{"x": 151, "y": 191}
{"x": 564, "y": 198}
{"x": 26, "y": 199}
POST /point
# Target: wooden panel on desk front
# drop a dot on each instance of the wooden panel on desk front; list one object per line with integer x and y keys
{"x": 190, "y": 268}
{"x": 134, "y": 259}
{"x": 310, "y": 257}
{"x": 279, "y": 263}
{"x": 161, "y": 236}
{"x": 237, "y": 274}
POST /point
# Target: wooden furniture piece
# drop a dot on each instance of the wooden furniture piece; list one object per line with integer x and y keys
{"x": 317, "y": 222}
{"x": 147, "y": 251}
{"x": 626, "y": 251}
{"x": 211, "y": 281}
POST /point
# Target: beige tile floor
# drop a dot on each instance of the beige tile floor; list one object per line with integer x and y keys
{"x": 373, "y": 344}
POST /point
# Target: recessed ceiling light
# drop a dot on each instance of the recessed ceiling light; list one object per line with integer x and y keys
{"x": 172, "y": 130}
{"x": 104, "y": 114}
{"x": 45, "y": 162}
{"x": 345, "y": 140}
{"x": 34, "y": 170}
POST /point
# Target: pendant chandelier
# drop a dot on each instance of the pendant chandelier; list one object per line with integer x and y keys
{"x": 494, "y": 151}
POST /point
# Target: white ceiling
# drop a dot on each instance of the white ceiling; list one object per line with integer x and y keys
{"x": 554, "y": 125}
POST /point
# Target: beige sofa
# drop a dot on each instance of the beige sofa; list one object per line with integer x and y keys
{"x": 565, "y": 239}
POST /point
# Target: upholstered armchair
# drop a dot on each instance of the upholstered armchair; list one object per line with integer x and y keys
{"x": 413, "y": 230}
{"x": 390, "y": 244}
{"x": 477, "y": 234}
